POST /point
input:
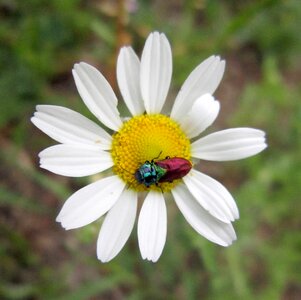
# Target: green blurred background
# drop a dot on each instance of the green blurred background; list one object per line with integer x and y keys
{"x": 40, "y": 40}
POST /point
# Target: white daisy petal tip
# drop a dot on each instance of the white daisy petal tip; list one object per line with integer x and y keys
{"x": 201, "y": 221}
{"x": 58, "y": 218}
{"x": 40, "y": 107}
{"x": 212, "y": 196}
{"x": 84, "y": 206}
{"x": 69, "y": 127}
{"x": 81, "y": 64}
{"x": 151, "y": 259}
{"x": 32, "y": 119}
{"x": 233, "y": 238}
{"x": 75, "y": 160}
{"x": 203, "y": 113}
{"x": 204, "y": 79}
{"x": 230, "y": 144}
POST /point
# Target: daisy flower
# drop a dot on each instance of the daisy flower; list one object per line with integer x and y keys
{"x": 86, "y": 148}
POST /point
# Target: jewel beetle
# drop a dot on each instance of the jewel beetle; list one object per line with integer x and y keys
{"x": 166, "y": 170}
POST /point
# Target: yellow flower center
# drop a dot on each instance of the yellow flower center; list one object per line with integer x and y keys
{"x": 144, "y": 138}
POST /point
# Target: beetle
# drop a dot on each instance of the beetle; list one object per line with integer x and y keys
{"x": 176, "y": 168}
{"x": 166, "y": 170}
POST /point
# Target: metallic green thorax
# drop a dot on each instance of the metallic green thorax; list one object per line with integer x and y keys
{"x": 149, "y": 173}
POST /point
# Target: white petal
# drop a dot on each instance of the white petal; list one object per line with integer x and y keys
{"x": 229, "y": 144}
{"x": 204, "y": 79}
{"x": 212, "y": 196}
{"x": 156, "y": 70}
{"x": 152, "y": 226}
{"x": 211, "y": 228}
{"x": 97, "y": 94}
{"x": 117, "y": 226}
{"x": 67, "y": 126}
{"x": 202, "y": 114}
{"x": 75, "y": 160}
{"x": 128, "y": 77}
{"x": 90, "y": 203}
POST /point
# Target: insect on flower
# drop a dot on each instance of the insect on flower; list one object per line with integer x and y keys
{"x": 166, "y": 170}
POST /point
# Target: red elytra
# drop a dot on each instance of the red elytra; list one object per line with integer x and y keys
{"x": 175, "y": 167}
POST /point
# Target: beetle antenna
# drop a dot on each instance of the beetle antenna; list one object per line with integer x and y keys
{"x": 157, "y": 156}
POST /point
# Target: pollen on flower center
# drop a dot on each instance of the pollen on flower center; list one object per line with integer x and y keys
{"x": 143, "y": 138}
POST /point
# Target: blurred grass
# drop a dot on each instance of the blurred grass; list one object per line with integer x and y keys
{"x": 40, "y": 41}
